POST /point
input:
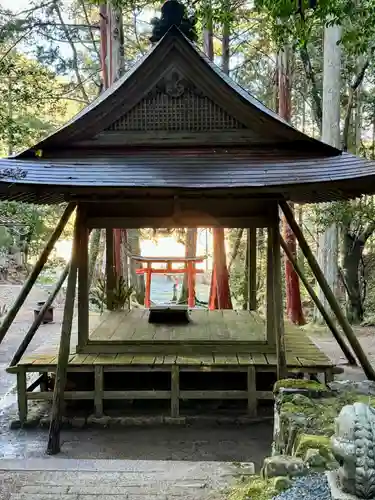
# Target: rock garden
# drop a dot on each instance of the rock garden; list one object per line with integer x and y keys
{"x": 323, "y": 447}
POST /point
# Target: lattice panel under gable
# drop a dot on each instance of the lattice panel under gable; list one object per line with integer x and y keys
{"x": 188, "y": 112}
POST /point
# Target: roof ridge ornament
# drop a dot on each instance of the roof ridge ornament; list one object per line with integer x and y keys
{"x": 173, "y": 13}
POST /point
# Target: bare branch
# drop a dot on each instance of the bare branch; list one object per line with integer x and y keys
{"x": 74, "y": 51}
{"x": 91, "y": 33}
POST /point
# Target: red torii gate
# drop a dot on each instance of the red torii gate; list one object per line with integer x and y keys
{"x": 189, "y": 268}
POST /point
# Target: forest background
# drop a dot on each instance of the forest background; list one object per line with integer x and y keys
{"x": 309, "y": 60}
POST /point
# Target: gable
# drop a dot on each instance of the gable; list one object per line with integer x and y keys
{"x": 173, "y": 96}
{"x": 175, "y": 104}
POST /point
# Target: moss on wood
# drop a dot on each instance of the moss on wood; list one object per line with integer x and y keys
{"x": 295, "y": 383}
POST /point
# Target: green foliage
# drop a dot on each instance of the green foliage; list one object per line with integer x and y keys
{"x": 317, "y": 416}
{"x": 320, "y": 443}
{"x": 355, "y": 214}
{"x": 30, "y": 102}
{"x": 254, "y": 488}
{"x": 36, "y": 221}
{"x": 121, "y": 294}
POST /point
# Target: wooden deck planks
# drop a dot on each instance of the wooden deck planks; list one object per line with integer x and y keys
{"x": 300, "y": 350}
{"x": 228, "y": 325}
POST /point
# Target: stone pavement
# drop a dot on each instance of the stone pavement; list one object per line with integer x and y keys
{"x": 69, "y": 479}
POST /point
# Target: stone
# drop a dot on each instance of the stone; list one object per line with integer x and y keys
{"x": 78, "y": 422}
{"x": 283, "y": 465}
{"x": 353, "y": 446}
{"x": 314, "y": 460}
{"x": 336, "y": 491}
{"x": 281, "y": 483}
{"x": 100, "y": 421}
{"x": 366, "y": 387}
{"x": 175, "y": 420}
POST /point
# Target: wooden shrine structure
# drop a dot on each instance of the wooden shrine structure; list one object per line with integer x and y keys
{"x": 176, "y": 143}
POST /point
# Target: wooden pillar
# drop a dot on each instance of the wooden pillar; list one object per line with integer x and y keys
{"x": 190, "y": 268}
{"x": 99, "y": 387}
{"x": 325, "y": 314}
{"x": 83, "y": 277}
{"x": 148, "y": 285}
{"x": 344, "y": 323}
{"x": 8, "y": 320}
{"x": 270, "y": 283}
{"x": 252, "y": 401}
{"x": 109, "y": 268}
{"x": 252, "y": 267}
{"x": 175, "y": 391}
{"x": 22, "y": 394}
{"x": 278, "y": 304}
{"x": 53, "y": 446}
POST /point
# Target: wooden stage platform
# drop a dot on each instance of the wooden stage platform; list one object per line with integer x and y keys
{"x": 215, "y": 341}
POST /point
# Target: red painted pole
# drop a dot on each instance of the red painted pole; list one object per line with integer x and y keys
{"x": 293, "y": 294}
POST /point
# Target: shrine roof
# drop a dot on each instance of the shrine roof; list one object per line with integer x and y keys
{"x": 299, "y": 177}
{"x": 175, "y": 121}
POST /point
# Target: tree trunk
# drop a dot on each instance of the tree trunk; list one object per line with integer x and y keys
{"x": 328, "y": 241}
{"x": 136, "y": 279}
{"x": 293, "y": 294}
{"x": 190, "y": 251}
{"x": 93, "y": 253}
{"x": 219, "y": 292}
{"x": 352, "y": 255}
{"x": 225, "y": 44}
{"x": 208, "y": 43}
{"x": 236, "y": 247}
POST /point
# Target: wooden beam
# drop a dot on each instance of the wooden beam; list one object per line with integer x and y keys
{"x": 83, "y": 276}
{"x": 38, "y": 320}
{"x": 251, "y": 392}
{"x": 109, "y": 268}
{"x": 53, "y": 446}
{"x": 252, "y": 270}
{"x": 175, "y": 391}
{"x": 278, "y": 304}
{"x": 341, "y": 318}
{"x": 169, "y": 221}
{"x": 99, "y": 388}
{"x": 270, "y": 283}
{"x": 325, "y": 314}
{"x": 8, "y": 320}
{"x": 22, "y": 394}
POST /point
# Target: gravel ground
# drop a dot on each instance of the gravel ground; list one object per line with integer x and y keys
{"x": 312, "y": 487}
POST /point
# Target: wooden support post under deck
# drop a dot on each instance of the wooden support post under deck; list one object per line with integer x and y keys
{"x": 175, "y": 391}
{"x": 109, "y": 268}
{"x": 8, "y": 320}
{"x": 21, "y": 394}
{"x": 252, "y": 267}
{"x": 53, "y": 446}
{"x": 99, "y": 388}
{"x": 83, "y": 278}
{"x": 278, "y": 303}
{"x": 325, "y": 314}
{"x": 252, "y": 401}
{"x": 341, "y": 318}
{"x": 270, "y": 314}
